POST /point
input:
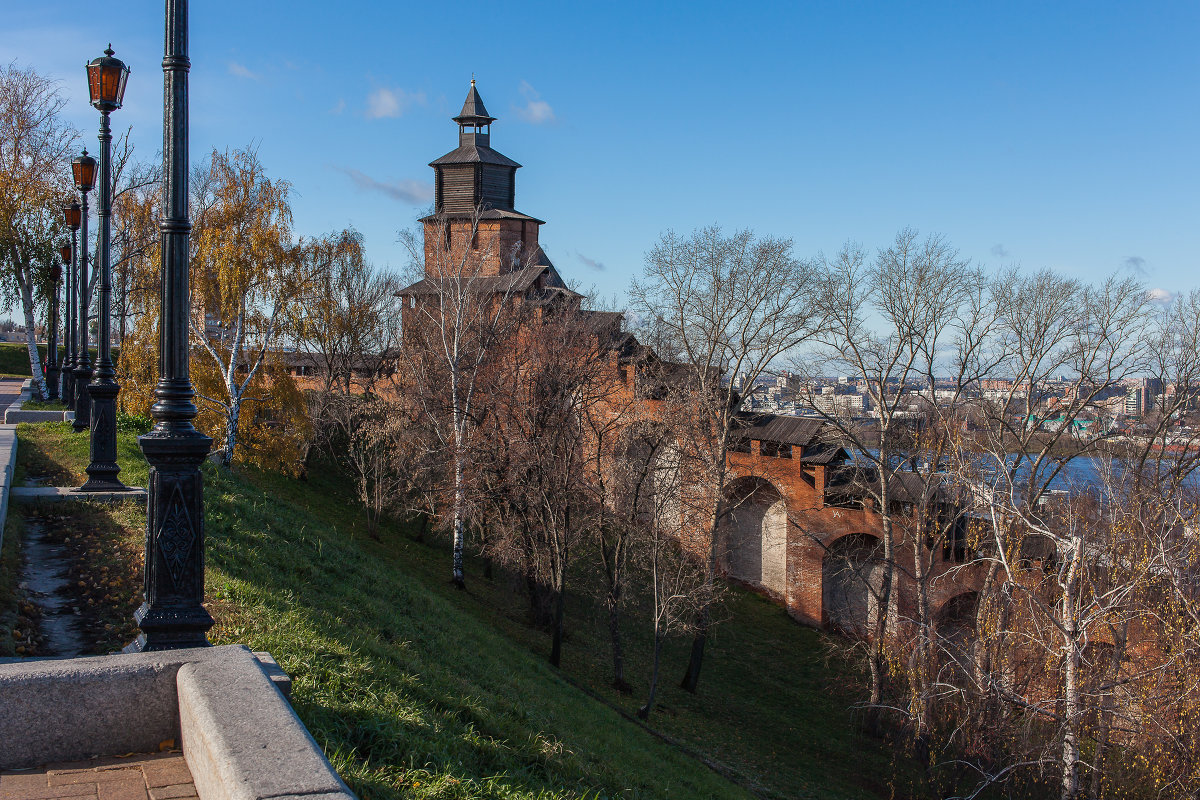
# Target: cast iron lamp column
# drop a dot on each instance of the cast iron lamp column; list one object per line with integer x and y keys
{"x": 71, "y": 213}
{"x": 172, "y": 614}
{"x": 52, "y": 375}
{"x": 106, "y": 84}
{"x": 84, "y": 168}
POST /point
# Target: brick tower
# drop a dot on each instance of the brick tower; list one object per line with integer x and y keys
{"x": 475, "y": 190}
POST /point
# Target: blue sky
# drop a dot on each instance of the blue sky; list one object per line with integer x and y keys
{"x": 1061, "y": 135}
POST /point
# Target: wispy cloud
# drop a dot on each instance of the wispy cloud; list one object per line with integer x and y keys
{"x": 999, "y": 251}
{"x": 536, "y": 111}
{"x": 590, "y": 263}
{"x": 385, "y": 102}
{"x": 407, "y": 191}
{"x": 1160, "y": 296}
{"x": 242, "y": 71}
{"x": 1135, "y": 265}
{"x": 338, "y": 107}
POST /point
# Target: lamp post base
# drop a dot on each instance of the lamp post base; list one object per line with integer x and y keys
{"x": 170, "y": 629}
{"x": 103, "y": 470}
{"x": 173, "y": 614}
{"x": 52, "y": 378}
{"x": 83, "y": 403}
{"x": 68, "y": 385}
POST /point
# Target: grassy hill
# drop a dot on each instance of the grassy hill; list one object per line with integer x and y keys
{"x": 416, "y": 690}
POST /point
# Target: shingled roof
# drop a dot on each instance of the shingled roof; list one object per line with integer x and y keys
{"x": 474, "y": 154}
{"x": 517, "y": 281}
{"x": 473, "y": 112}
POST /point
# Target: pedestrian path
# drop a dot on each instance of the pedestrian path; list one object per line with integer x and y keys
{"x": 10, "y": 390}
{"x": 156, "y": 776}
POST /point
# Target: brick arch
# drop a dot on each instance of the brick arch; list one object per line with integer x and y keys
{"x": 851, "y": 579}
{"x": 752, "y": 534}
{"x": 954, "y": 625}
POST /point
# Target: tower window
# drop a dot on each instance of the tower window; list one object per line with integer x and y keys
{"x": 448, "y": 236}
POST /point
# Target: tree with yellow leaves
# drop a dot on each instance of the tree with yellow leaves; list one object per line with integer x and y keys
{"x": 35, "y": 151}
{"x": 247, "y": 272}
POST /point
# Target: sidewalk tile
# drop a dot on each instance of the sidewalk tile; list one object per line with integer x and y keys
{"x": 179, "y": 791}
{"x": 83, "y": 790}
{"x": 167, "y": 773}
{"x": 98, "y": 775}
{"x": 124, "y": 790}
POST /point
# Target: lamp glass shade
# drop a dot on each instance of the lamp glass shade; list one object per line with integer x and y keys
{"x": 84, "y": 170}
{"x": 72, "y": 214}
{"x": 65, "y": 252}
{"x": 106, "y": 81}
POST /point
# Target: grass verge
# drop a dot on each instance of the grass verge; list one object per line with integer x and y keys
{"x": 416, "y": 690}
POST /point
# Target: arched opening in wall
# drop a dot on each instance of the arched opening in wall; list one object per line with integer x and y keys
{"x": 752, "y": 534}
{"x": 852, "y": 573}
{"x": 955, "y": 626}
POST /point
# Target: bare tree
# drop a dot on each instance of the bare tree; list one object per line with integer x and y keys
{"x": 889, "y": 322}
{"x": 349, "y": 320}
{"x": 726, "y": 305}
{"x": 1059, "y": 567}
{"x": 457, "y": 322}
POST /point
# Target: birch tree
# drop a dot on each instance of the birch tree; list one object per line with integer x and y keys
{"x": 1061, "y": 566}
{"x": 247, "y": 273}
{"x": 727, "y": 305}
{"x": 36, "y": 146}
{"x": 457, "y": 323}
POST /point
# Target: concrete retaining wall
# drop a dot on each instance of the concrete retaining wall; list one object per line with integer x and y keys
{"x": 241, "y": 739}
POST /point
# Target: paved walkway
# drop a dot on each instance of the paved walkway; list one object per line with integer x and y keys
{"x": 10, "y": 389}
{"x": 157, "y": 776}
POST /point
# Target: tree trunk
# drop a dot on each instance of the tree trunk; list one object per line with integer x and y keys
{"x": 1072, "y": 711}
{"x": 644, "y": 711}
{"x": 613, "y": 601}
{"x": 557, "y": 635}
{"x": 460, "y": 502}
{"x": 691, "y": 678}
{"x": 35, "y": 361}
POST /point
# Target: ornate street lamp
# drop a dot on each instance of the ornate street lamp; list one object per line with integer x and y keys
{"x": 71, "y": 213}
{"x": 106, "y": 84}
{"x": 52, "y": 340}
{"x": 172, "y": 614}
{"x": 84, "y": 170}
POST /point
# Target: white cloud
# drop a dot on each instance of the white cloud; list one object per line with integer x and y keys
{"x": 242, "y": 71}
{"x": 536, "y": 110}
{"x": 590, "y": 263}
{"x": 385, "y": 102}
{"x": 1160, "y": 296}
{"x": 407, "y": 191}
{"x": 339, "y": 106}
{"x": 999, "y": 251}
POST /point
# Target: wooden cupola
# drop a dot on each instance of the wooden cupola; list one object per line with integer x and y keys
{"x": 474, "y": 175}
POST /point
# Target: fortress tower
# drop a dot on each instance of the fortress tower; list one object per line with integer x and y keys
{"x": 473, "y": 179}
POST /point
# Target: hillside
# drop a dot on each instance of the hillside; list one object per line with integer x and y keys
{"x": 416, "y": 690}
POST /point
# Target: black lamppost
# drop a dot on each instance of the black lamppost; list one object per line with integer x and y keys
{"x": 106, "y": 84}
{"x": 84, "y": 170}
{"x": 72, "y": 214}
{"x": 52, "y": 340}
{"x": 172, "y": 614}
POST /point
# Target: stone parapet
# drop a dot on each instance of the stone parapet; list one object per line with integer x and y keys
{"x": 240, "y": 737}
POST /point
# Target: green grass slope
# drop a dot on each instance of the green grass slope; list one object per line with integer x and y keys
{"x": 416, "y": 690}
